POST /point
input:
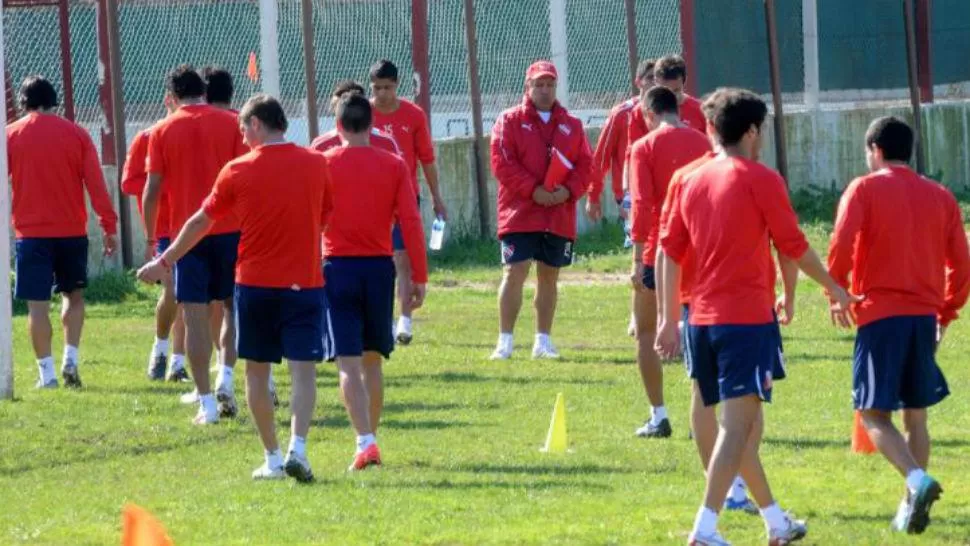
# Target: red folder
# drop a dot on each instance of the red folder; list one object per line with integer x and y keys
{"x": 558, "y": 171}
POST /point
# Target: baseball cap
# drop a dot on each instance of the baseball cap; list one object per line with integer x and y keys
{"x": 539, "y": 69}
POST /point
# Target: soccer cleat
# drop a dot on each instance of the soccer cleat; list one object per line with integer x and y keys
{"x": 902, "y": 515}
{"x": 501, "y": 353}
{"x": 747, "y": 506}
{"x": 920, "y": 503}
{"x": 264, "y": 472}
{"x": 660, "y": 430}
{"x": 227, "y": 403}
{"x": 50, "y": 384}
{"x": 298, "y": 467}
{"x": 795, "y": 531}
{"x": 72, "y": 379}
{"x": 368, "y": 457}
{"x": 180, "y": 375}
{"x": 191, "y": 397}
{"x": 707, "y": 540}
{"x": 205, "y": 418}
{"x": 156, "y": 367}
{"x": 545, "y": 351}
{"x": 403, "y": 335}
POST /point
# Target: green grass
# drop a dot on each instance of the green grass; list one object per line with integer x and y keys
{"x": 460, "y": 440}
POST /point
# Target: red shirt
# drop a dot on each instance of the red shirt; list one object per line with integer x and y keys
{"x": 408, "y": 125}
{"x": 135, "y": 176}
{"x": 729, "y": 208}
{"x": 331, "y": 139}
{"x": 371, "y": 188}
{"x": 653, "y": 161}
{"x": 280, "y": 193}
{"x": 901, "y": 237}
{"x": 610, "y": 151}
{"x": 52, "y": 162}
{"x": 188, "y": 149}
{"x": 690, "y": 113}
{"x": 673, "y": 200}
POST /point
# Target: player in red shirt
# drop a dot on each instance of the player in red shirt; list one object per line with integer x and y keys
{"x": 331, "y": 139}
{"x": 280, "y": 193}
{"x": 671, "y": 72}
{"x": 731, "y": 337}
{"x": 408, "y": 124}
{"x": 52, "y": 162}
{"x": 186, "y": 151}
{"x": 900, "y": 236}
{"x": 371, "y": 188}
{"x": 653, "y": 160}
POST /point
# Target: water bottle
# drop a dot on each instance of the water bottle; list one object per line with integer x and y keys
{"x": 627, "y": 205}
{"x": 437, "y": 233}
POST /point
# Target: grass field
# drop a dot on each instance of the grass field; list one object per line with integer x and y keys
{"x": 460, "y": 438}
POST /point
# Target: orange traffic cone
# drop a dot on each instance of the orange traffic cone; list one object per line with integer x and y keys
{"x": 861, "y": 443}
{"x": 140, "y": 528}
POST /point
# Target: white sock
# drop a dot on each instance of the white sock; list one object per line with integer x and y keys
{"x": 775, "y": 518}
{"x": 298, "y": 445}
{"x": 365, "y": 441}
{"x": 404, "y": 323}
{"x": 274, "y": 459}
{"x": 913, "y": 479}
{"x": 224, "y": 377}
{"x": 46, "y": 368}
{"x": 542, "y": 339}
{"x": 70, "y": 354}
{"x": 657, "y": 414}
{"x": 738, "y": 491}
{"x": 178, "y": 362}
{"x": 705, "y": 524}
{"x": 505, "y": 340}
{"x": 160, "y": 348}
{"x": 208, "y": 403}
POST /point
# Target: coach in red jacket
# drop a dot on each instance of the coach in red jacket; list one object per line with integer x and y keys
{"x": 536, "y": 224}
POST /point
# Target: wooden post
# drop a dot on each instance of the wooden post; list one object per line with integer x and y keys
{"x": 687, "y": 40}
{"x": 420, "y": 55}
{"x": 911, "y": 63}
{"x": 310, "y": 68}
{"x": 118, "y": 112}
{"x": 781, "y": 156}
{"x": 65, "y": 23}
{"x": 631, "y": 43}
{"x": 475, "y": 92}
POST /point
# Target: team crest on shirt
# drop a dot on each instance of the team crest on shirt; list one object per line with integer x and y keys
{"x": 507, "y": 252}
{"x": 766, "y": 386}
{"x": 389, "y": 129}
{"x": 564, "y": 129}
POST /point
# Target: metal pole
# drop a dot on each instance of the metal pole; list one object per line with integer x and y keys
{"x": 810, "y": 47}
{"x": 420, "y": 55}
{"x": 269, "y": 47}
{"x": 687, "y": 40}
{"x": 6, "y": 305}
{"x": 631, "y": 42}
{"x": 65, "y": 23}
{"x": 104, "y": 86}
{"x": 118, "y": 112}
{"x": 475, "y": 91}
{"x": 559, "y": 45}
{"x": 310, "y": 68}
{"x": 908, "y": 13}
{"x": 924, "y": 52}
{"x": 781, "y": 158}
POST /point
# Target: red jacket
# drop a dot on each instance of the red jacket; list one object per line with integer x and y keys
{"x": 521, "y": 144}
{"x": 610, "y": 154}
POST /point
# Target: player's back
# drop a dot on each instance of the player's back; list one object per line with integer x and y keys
{"x": 331, "y": 139}
{"x": 367, "y": 185}
{"x": 672, "y": 148}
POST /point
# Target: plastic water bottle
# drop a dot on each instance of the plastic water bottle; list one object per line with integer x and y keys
{"x": 627, "y": 205}
{"x": 437, "y": 233}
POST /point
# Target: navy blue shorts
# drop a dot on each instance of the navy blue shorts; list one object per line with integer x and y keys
{"x": 895, "y": 365}
{"x": 397, "y": 238}
{"x": 359, "y": 306}
{"x": 649, "y": 277}
{"x": 552, "y": 250}
{"x": 731, "y": 361}
{"x": 778, "y": 372}
{"x": 44, "y": 264}
{"x": 162, "y": 244}
{"x": 208, "y": 272}
{"x": 277, "y": 323}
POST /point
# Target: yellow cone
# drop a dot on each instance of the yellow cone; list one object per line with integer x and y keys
{"x": 556, "y": 439}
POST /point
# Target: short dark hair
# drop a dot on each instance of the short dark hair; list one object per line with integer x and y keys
{"x": 671, "y": 67}
{"x": 267, "y": 110}
{"x": 709, "y": 103}
{"x": 661, "y": 100}
{"x": 37, "y": 93}
{"x": 893, "y": 136}
{"x": 354, "y": 113}
{"x": 184, "y": 82}
{"x": 645, "y": 69}
{"x": 383, "y": 70}
{"x": 735, "y": 111}
{"x": 218, "y": 84}
{"x": 347, "y": 86}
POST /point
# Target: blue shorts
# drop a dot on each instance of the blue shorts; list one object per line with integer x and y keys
{"x": 550, "y": 249}
{"x": 162, "y": 244}
{"x": 208, "y": 272}
{"x": 895, "y": 365}
{"x": 44, "y": 264}
{"x": 649, "y": 277}
{"x": 731, "y": 361}
{"x": 359, "y": 306}
{"x": 277, "y": 323}
{"x": 397, "y": 238}
{"x": 778, "y": 372}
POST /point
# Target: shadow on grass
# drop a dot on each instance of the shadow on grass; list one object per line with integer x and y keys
{"x": 341, "y": 421}
{"x": 492, "y": 484}
{"x": 467, "y": 377}
{"x": 545, "y": 470}
{"x": 819, "y": 443}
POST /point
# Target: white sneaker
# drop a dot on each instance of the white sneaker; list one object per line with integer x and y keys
{"x": 264, "y": 472}
{"x": 708, "y": 540}
{"x": 545, "y": 350}
{"x": 795, "y": 531}
{"x": 203, "y": 417}
{"x": 902, "y": 515}
{"x": 402, "y": 333}
{"x": 501, "y": 353}
{"x": 189, "y": 398}
{"x": 226, "y": 401}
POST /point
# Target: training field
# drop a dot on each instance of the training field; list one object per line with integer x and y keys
{"x": 460, "y": 438}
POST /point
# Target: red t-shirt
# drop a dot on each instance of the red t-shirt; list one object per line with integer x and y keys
{"x": 901, "y": 237}
{"x": 52, "y": 161}
{"x": 331, "y": 139}
{"x": 673, "y": 200}
{"x": 611, "y": 151}
{"x": 188, "y": 149}
{"x": 408, "y": 125}
{"x": 653, "y": 161}
{"x": 729, "y": 210}
{"x": 370, "y": 189}
{"x": 281, "y": 194}
{"x": 690, "y": 113}
{"x": 135, "y": 176}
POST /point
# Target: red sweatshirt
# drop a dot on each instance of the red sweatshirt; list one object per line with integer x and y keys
{"x": 901, "y": 237}
{"x": 611, "y": 151}
{"x": 331, "y": 139}
{"x": 135, "y": 176}
{"x": 690, "y": 113}
{"x": 52, "y": 162}
{"x": 408, "y": 126}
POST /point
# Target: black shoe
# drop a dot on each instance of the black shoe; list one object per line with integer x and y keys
{"x": 655, "y": 431}
{"x": 72, "y": 379}
{"x": 227, "y": 404}
{"x": 178, "y": 376}
{"x": 297, "y": 469}
{"x": 157, "y": 371}
{"x": 404, "y": 339}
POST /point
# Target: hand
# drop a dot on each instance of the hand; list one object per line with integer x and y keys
{"x": 668, "y": 340}
{"x": 154, "y": 272}
{"x": 418, "y": 292}
{"x": 636, "y": 276}
{"x": 440, "y": 210}
{"x": 110, "y": 245}
{"x": 785, "y": 310}
{"x": 594, "y": 211}
{"x": 542, "y": 196}
{"x": 841, "y": 307}
{"x": 560, "y": 196}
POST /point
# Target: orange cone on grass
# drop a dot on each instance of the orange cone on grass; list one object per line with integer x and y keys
{"x": 861, "y": 443}
{"x": 140, "y": 528}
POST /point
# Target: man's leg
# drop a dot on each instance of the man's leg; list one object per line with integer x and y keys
{"x": 703, "y": 422}
{"x": 261, "y": 407}
{"x": 546, "y": 298}
{"x": 166, "y": 311}
{"x": 356, "y": 401}
{"x": 72, "y": 319}
{"x": 41, "y": 333}
{"x": 302, "y": 404}
{"x": 215, "y": 329}
{"x": 509, "y": 305}
{"x": 402, "y": 265}
{"x": 651, "y": 371}
{"x": 373, "y": 377}
{"x": 917, "y": 436}
{"x": 198, "y": 345}
{"x": 889, "y": 441}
